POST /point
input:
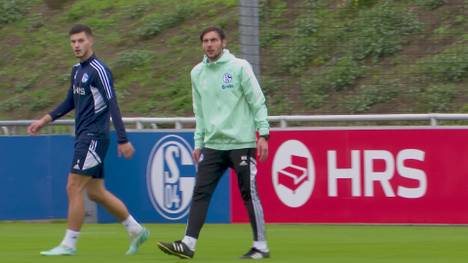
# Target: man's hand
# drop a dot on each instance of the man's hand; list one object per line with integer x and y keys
{"x": 196, "y": 155}
{"x": 126, "y": 149}
{"x": 262, "y": 149}
{"x": 36, "y": 126}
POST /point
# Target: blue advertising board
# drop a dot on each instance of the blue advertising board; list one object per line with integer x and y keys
{"x": 156, "y": 184}
{"x": 33, "y": 174}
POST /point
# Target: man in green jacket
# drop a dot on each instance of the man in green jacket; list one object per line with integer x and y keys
{"x": 229, "y": 108}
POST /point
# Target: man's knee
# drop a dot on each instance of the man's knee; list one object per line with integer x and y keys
{"x": 76, "y": 184}
{"x": 93, "y": 196}
{"x": 96, "y": 195}
{"x": 200, "y": 194}
{"x": 246, "y": 196}
{"x": 72, "y": 189}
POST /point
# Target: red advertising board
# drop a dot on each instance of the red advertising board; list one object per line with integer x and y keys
{"x": 363, "y": 176}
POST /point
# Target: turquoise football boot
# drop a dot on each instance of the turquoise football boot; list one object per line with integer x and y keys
{"x": 136, "y": 241}
{"x": 59, "y": 250}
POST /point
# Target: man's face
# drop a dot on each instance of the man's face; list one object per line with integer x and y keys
{"x": 213, "y": 45}
{"x": 82, "y": 45}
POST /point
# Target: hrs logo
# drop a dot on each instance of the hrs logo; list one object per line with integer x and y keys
{"x": 359, "y": 173}
{"x": 79, "y": 90}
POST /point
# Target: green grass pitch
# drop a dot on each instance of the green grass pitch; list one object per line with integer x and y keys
{"x": 103, "y": 243}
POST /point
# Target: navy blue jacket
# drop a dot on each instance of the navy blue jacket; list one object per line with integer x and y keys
{"x": 92, "y": 96}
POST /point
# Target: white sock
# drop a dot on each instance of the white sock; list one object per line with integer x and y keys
{"x": 132, "y": 226}
{"x": 70, "y": 239}
{"x": 261, "y": 245}
{"x": 191, "y": 242}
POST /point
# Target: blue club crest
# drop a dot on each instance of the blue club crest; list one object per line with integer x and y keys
{"x": 227, "y": 78}
{"x": 84, "y": 78}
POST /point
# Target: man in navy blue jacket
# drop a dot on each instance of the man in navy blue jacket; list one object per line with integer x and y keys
{"x": 92, "y": 96}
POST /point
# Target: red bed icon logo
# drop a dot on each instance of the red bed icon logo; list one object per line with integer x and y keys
{"x": 293, "y": 173}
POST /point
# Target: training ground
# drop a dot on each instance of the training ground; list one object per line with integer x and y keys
{"x": 107, "y": 243}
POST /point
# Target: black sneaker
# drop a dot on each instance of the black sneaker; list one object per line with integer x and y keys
{"x": 176, "y": 248}
{"x": 255, "y": 254}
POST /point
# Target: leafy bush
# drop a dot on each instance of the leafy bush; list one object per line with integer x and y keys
{"x": 307, "y": 26}
{"x": 274, "y": 95}
{"x": 77, "y": 11}
{"x": 305, "y": 44}
{"x": 361, "y": 3}
{"x": 11, "y": 104}
{"x": 156, "y": 24}
{"x": 464, "y": 108}
{"x": 99, "y": 23}
{"x": 451, "y": 65}
{"x": 369, "y": 96}
{"x": 336, "y": 77}
{"x": 11, "y": 11}
{"x": 34, "y": 101}
{"x": 35, "y": 22}
{"x": 38, "y": 100}
{"x": 378, "y": 32}
{"x": 137, "y": 10}
{"x": 343, "y": 74}
{"x": 437, "y": 98}
{"x": 90, "y": 8}
{"x": 130, "y": 60}
{"x": 272, "y": 10}
{"x": 431, "y": 4}
{"x": 268, "y": 36}
{"x": 299, "y": 55}
{"x": 26, "y": 83}
{"x": 55, "y": 4}
{"x": 314, "y": 97}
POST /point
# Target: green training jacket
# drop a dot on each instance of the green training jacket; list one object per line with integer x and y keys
{"x": 228, "y": 103}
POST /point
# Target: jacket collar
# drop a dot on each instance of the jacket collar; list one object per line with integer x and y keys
{"x": 86, "y": 62}
{"x": 225, "y": 57}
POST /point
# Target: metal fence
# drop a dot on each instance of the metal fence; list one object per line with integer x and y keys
{"x": 18, "y": 127}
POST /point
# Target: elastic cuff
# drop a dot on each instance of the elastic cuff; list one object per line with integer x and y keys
{"x": 263, "y": 131}
{"x": 122, "y": 141}
{"x": 198, "y": 145}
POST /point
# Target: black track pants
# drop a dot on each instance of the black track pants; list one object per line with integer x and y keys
{"x": 210, "y": 169}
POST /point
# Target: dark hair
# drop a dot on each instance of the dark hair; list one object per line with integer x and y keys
{"x": 78, "y": 28}
{"x": 216, "y": 29}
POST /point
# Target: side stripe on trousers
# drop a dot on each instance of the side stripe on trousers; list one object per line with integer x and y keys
{"x": 257, "y": 206}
